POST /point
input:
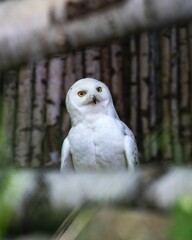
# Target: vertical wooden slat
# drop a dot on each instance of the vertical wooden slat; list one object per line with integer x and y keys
{"x": 92, "y": 62}
{"x": 165, "y": 80}
{"x": 190, "y": 74}
{"x": 74, "y": 70}
{"x": 70, "y": 74}
{"x": 106, "y": 66}
{"x": 153, "y": 96}
{"x": 53, "y": 100}
{"x": 127, "y": 80}
{"x": 38, "y": 126}
{"x": 9, "y": 110}
{"x": 184, "y": 105}
{"x": 133, "y": 85}
{"x": 78, "y": 65}
{"x": 24, "y": 111}
{"x": 69, "y": 79}
{"x": 176, "y": 143}
{"x": 117, "y": 78}
{"x": 144, "y": 86}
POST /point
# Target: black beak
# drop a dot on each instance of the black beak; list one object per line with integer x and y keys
{"x": 94, "y": 99}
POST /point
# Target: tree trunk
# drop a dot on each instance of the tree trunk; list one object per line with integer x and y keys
{"x": 177, "y": 149}
{"x": 190, "y": 73}
{"x": 69, "y": 79}
{"x": 78, "y": 65}
{"x": 9, "y": 111}
{"x": 165, "y": 81}
{"x": 57, "y": 26}
{"x": 106, "y": 66}
{"x": 153, "y": 96}
{"x": 133, "y": 86}
{"x": 185, "y": 92}
{"x": 53, "y": 107}
{"x": 31, "y": 196}
{"x": 24, "y": 114}
{"x": 117, "y": 78}
{"x": 38, "y": 126}
{"x": 92, "y": 62}
{"x": 145, "y": 87}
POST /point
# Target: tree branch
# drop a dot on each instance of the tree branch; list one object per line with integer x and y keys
{"x": 33, "y": 29}
{"x": 32, "y": 195}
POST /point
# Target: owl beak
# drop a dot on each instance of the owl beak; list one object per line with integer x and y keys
{"x": 94, "y": 99}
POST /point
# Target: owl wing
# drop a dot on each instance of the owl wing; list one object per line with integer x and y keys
{"x": 66, "y": 157}
{"x": 131, "y": 151}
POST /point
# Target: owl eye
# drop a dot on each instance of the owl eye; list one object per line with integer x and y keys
{"x": 81, "y": 93}
{"x": 99, "y": 89}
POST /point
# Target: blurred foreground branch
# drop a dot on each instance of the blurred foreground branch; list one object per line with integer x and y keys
{"x": 33, "y": 29}
{"x": 29, "y": 196}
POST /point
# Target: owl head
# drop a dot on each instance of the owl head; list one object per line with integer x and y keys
{"x": 88, "y": 96}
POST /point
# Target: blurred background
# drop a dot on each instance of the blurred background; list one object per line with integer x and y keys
{"x": 150, "y": 78}
{"x": 149, "y": 75}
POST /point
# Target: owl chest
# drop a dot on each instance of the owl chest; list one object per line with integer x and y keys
{"x": 96, "y": 144}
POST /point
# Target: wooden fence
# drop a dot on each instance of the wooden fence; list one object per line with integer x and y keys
{"x": 149, "y": 76}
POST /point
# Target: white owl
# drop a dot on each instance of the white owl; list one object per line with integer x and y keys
{"x": 98, "y": 139}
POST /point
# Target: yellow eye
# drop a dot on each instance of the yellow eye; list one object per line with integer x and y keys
{"x": 81, "y": 93}
{"x": 99, "y": 89}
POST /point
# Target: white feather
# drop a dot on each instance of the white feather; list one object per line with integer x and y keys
{"x": 66, "y": 158}
{"x": 97, "y": 140}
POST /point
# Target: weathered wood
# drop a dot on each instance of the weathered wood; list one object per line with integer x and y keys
{"x": 145, "y": 90}
{"x": 177, "y": 149}
{"x": 106, "y": 66}
{"x": 117, "y": 78}
{"x": 79, "y": 65}
{"x": 38, "y": 116}
{"x": 24, "y": 114}
{"x": 38, "y": 193}
{"x": 133, "y": 85}
{"x": 153, "y": 96}
{"x": 9, "y": 111}
{"x": 113, "y": 224}
{"x": 185, "y": 129}
{"x": 126, "y": 71}
{"x": 165, "y": 65}
{"x": 69, "y": 79}
{"x": 53, "y": 101}
{"x": 48, "y": 29}
{"x": 92, "y": 63}
{"x": 190, "y": 69}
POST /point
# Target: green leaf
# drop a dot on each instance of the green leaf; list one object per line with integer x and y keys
{"x": 181, "y": 220}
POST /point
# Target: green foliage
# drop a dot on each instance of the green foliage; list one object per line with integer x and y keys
{"x": 181, "y": 220}
{"x": 4, "y": 154}
{"x": 5, "y": 158}
{"x": 6, "y": 210}
{"x": 159, "y": 141}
